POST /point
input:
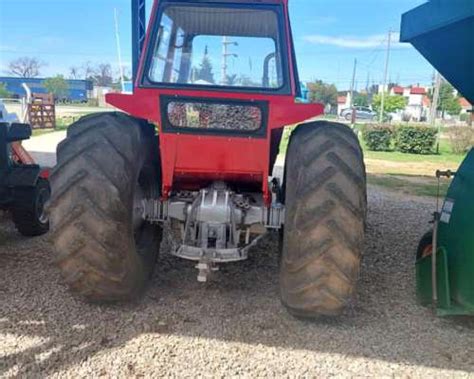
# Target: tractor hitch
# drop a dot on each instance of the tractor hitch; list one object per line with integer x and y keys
{"x": 214, "y": 225}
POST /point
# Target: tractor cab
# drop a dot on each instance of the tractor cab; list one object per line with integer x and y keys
{"x": 220, "y": 81}
{"x": 220, "y": 47}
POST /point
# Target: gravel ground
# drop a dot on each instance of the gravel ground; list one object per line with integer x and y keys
{"x": 235, "y": 325}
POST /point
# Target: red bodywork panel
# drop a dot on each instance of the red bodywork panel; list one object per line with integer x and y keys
{"x": 192, "y": 161}
{"x": 20, "y": 155}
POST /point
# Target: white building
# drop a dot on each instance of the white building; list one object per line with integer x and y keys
{"x": 343, "y": 102}
{"x": 418, "y": 103}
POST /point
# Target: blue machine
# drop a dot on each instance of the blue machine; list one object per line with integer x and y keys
{"x": 443, "y": 32}
{"x": 77, "y": 89}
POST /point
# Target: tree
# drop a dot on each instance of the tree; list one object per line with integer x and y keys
{"x": 448, "y": 101}
{"x": 452, "y": 106}
{"x": 103, "y": 75}
{"x": 88, "y": 71}
{"x": 231, "y": 80}
{"x": 204, "y": 72}
{"x": 4, "y": 93}
{"x": 392, "y": 103}
{"x": 246, "y": 81}
{"x": 320, "y": 92}
{"x": 57, "y": 86}
{"x": 361, "y": 99}
{"x": 74, "y": 72}
{"x": 25, "y": 67}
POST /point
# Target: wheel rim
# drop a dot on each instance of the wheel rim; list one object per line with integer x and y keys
{"x": 40, "y": 203}
{"x": 138, "y": 208}
{"x": 427, "y": 251}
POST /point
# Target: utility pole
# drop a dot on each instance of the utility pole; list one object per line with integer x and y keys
{"x": 434, "y": 108}
{"x": 225, "y": 54}
{"x": 119, "y": 53}
{"x": 352, "y": 91}
{"x": 387, "y": 61}
{"x": 354, "y": 71}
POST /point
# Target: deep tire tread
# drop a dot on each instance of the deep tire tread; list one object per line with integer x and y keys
{"x": 326, "y": 203}
{"x": 93, "y": 184}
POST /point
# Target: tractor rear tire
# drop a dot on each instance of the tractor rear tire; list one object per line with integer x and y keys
{"x": 326, "y": 207}
{"x": 105, "y": 251}
{"x": 30, "y": 218}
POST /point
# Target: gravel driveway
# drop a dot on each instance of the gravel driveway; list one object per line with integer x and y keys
{"x": 234, "y": 325}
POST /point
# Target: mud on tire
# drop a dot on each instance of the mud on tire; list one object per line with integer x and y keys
{"x": 326, "y": 205}
{"x": 102, "y": 165}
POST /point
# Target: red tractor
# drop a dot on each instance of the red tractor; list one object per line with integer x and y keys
{"x": 190, "y": 160}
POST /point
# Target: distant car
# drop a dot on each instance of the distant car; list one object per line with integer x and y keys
{"x": 362, "y": 113}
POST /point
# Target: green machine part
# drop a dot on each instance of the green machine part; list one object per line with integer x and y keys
{"x": 455, "y": 255}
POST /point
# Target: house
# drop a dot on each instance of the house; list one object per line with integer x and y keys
{"x": 416, "y": 107}
{"x": 343, "y": 102}
{"x": 465, "y": 105}
{"x": 418, "y": 103}
{"x": 397, "y": 90}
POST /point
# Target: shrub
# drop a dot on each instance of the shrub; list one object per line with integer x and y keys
{"x": 465, "y": 117}
{"x": 415, "y": 139}
{"x": 378, "y": 137}
{"x": 462, "y": 138}
{"x": 4, "y": 93}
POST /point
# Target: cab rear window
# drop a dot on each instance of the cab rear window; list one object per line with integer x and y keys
{"x": 218, "y": 46}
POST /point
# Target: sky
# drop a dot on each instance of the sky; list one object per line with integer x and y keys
{"x": 328, "y": 34}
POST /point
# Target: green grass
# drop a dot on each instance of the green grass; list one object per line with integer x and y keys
{"x": 445, "y": 155}
{"x": 62, "y": 123}
{"x": 90, "y": 104}
{"x": 421, "y": 186}
{"x": 394, "y": 172}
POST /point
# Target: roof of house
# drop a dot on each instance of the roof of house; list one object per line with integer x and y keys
{"x": 417, "y": 91}
{"x": 398, "y": 90}
{"x": 464, "y": 103}
{"x": 341, "y": 99}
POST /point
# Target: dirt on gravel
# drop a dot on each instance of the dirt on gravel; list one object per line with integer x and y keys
{"x": 234, "y": 325}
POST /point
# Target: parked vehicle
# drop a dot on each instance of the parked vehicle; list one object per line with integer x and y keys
{"x": 362, "y": 113}
{"x": 24, "y": 187}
